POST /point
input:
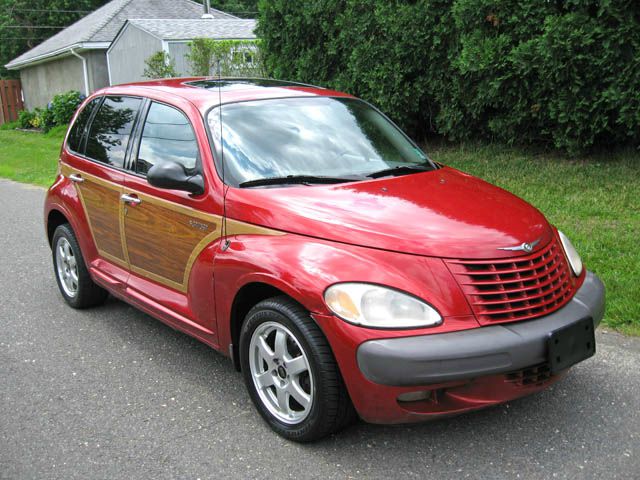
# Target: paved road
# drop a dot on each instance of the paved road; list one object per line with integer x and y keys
{"x": 111, "y": 393}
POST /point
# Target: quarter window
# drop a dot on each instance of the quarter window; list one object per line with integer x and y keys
{"x": 167, "y": 137}
{"x": 80, "y": 126}
{"x": 110, "y": 130}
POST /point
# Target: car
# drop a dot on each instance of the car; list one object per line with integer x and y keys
{"x": 298, "y": 231}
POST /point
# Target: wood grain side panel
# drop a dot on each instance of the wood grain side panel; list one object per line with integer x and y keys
{"x": 102, "y": 205}
{"x": 158, "y": 239}
{"x": 161, "y": 241}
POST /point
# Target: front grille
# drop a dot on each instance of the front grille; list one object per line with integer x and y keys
{"x": 537, "y": 375}
{"x": 519, "y": 288}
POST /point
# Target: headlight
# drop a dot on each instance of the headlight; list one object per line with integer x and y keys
{"x": 572, "y": 255}
{"x": 379, "y": 307}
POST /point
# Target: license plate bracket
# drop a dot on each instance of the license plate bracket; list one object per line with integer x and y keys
{"x": 571, "y": 344}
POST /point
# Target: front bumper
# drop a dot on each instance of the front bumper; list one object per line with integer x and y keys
{"x": 479, "y": 352}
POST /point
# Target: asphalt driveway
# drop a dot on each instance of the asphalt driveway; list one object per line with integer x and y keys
{"x": 112, "y": 393}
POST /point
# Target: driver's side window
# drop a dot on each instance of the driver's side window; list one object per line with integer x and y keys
{"x": 167, "y": 136}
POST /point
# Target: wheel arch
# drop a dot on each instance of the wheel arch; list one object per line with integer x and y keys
{"x": 55, "y": 218}
{"x": 245, "y": 299}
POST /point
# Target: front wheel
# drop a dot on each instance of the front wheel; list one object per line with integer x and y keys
{"x": 290, "y": 372}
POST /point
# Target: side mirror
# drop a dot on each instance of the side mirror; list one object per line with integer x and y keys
{"x": 172, "y": 176}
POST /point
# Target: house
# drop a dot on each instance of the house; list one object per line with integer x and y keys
{"x": 76, "y": 57}
{"x": 140, "y": 38}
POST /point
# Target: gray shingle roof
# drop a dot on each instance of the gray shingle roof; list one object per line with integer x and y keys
{"x": 103, "y": 24}
{"x": 189, "y": 29}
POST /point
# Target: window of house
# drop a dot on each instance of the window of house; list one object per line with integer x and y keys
{"x": 76, "y": 135}
{"x": 110, "y": 130}
{"x": 243, "y": 57}
{"x": 167, "y": 137}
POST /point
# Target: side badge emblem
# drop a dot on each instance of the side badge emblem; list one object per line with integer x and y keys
{"x": 199, "y": 225}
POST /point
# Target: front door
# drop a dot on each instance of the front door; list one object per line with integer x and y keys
{"x": 166, "y": 230}
{"x": 164, "y": 238}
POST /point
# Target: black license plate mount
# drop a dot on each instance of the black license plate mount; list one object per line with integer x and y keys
{"x": 571, "y": 344}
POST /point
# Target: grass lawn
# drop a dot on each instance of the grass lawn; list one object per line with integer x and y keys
{"x": 30, "y": 157}
{"x": 595, "y": 201}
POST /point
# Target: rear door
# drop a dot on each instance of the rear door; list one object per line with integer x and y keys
{"x": 96, "y": 165}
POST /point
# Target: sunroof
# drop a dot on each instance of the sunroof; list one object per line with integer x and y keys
{"x": 239, "y": 83}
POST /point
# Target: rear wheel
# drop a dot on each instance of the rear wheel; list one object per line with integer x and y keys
{"x": 290, "y": 372}
{"x": 74, "y": 281}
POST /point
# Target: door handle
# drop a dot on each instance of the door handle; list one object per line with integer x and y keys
{"x": 74, "y": 177}
{"x": 130, "y": 199}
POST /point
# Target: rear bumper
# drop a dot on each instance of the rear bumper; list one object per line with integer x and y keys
{"x": 480, "y": 352}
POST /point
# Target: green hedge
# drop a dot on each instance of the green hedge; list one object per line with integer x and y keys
{"x": 552, "y": 72}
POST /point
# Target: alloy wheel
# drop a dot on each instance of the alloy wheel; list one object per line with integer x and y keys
{"x": 67, "y": 267}
{"x": 281, "y": 373}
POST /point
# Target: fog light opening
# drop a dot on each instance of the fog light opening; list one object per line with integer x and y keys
{"x": 421, "y": 396}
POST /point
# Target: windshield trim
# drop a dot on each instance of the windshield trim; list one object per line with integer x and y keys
{"x": 215, "y": 154}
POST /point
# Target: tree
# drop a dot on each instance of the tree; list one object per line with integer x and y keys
{"x": 236, "y": 57}
{"x": 240, "y": 8}
{"x": 160, "y": 65}
{"x": 27, "y": 23}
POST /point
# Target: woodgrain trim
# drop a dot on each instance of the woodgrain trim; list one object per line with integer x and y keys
{"x": 66, "y": 170}
{"x": 233, "y": 227}
{"x": 123, "y": 239}
{"x": 113, "y": 259}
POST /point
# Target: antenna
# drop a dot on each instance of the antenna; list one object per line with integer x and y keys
{"x": 223, "y": 227}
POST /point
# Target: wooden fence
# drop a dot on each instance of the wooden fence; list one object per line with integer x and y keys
{"x": 10, "y": 100}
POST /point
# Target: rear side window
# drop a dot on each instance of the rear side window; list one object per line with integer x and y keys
{"x": 167, "y": 136}
{"x": 79, "y": 128}
{"x": 110, "y": 130}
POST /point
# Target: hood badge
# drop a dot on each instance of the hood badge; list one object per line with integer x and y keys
{"x": 525, "y": 247}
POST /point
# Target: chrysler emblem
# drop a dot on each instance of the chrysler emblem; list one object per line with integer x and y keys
{"x": 525, "y": 247}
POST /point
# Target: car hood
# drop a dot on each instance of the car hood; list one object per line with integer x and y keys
{"x": 444, "y": 213}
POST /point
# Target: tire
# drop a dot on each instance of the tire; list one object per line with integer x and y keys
{"x": 307, "y": 369}
{"x": 74, "y": 281}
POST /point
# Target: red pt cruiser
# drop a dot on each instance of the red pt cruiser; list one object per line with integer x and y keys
{"x": 300, "y": 232}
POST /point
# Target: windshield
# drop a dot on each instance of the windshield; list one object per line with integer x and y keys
{"x": 342, "y": 138}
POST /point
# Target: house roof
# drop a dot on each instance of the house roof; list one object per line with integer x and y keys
{"x": 98, "y": 29}
{"x": 196, "y": 28}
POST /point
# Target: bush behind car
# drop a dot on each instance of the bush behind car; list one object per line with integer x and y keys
{"x": 563, "y": 74}
{"x": 58, "y": 112}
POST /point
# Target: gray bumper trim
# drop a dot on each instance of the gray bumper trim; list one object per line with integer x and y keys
{"x": 495, "y": 349}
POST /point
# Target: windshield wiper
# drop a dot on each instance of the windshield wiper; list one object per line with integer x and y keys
{"x": 294, "y": 180}
{"x": 399, "y": 170}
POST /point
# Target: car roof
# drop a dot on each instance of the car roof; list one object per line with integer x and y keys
{"x": 207, "y": 92}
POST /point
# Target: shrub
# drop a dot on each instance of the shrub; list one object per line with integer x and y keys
{"x": 58, "y": 112}
{"x": 565, "y": 74}
{"x": 236, "y": 57}
{"x": 36, "y": 121}
{"x": 25, "y": 119}
{"x": 46, "y": 118}
{"x": 160, "y": 65}
{"x": 560, "y": 72}
{"x": 63, "y": 106}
